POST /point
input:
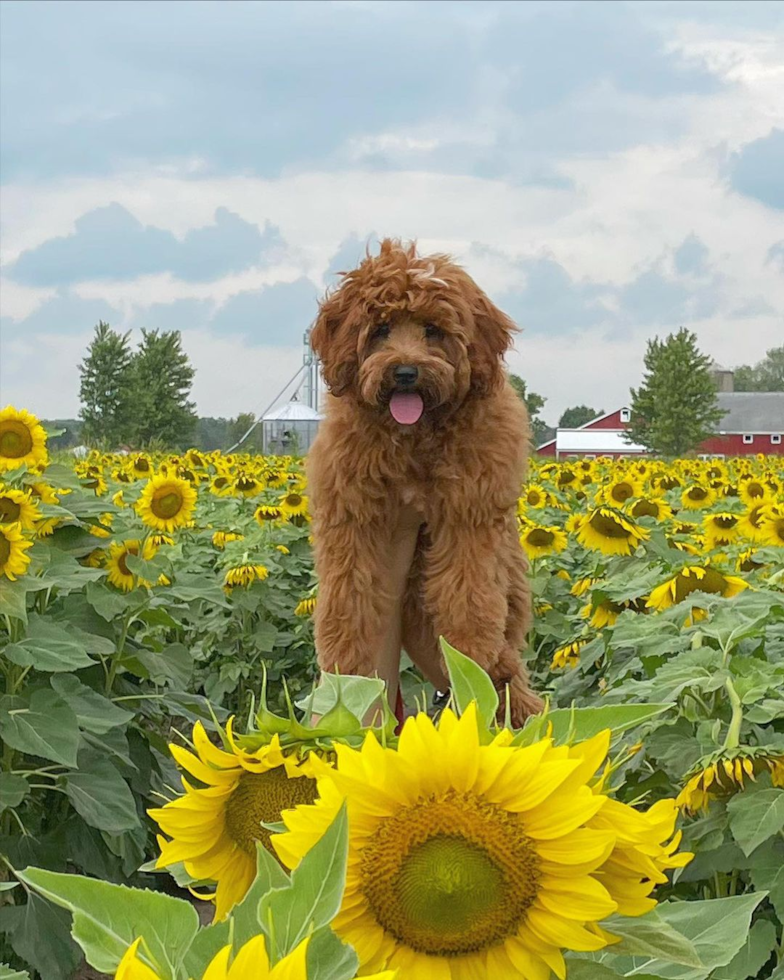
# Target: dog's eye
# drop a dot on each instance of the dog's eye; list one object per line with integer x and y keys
{"x": 379, "y": 332}
{"x": 432, "y": 331}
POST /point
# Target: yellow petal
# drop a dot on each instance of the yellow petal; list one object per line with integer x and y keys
{"x": 252, "y": 961}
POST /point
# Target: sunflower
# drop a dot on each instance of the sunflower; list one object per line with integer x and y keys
{"x": 725, "y": 774}
{"x": 648, "y": 507}
{"x": 22, "y": 440}
{"x": 772, "y": 530}
{"x": 221, "y": 538}
{"x": 13, "y": 544}
{"x": 251, "y": 962}
{"x": 569, "y": 655}
{"x": 470, "y": 861}
{"x": 306, "y": 607}
{"x": 619, "y": 491}
{"x": 720, "y": 529}
{"x": 221, "y": 486}
{"x": 694, "y": 578}
{"x": 750, "y": 525}
{"x": 294, "y": 504}
{"x": 17, "y": 507}
{"x": 267, "y": 512}
{"x": 118, "y": 572}
{"x": 244, "y": 575}
{"x": 141, "y": 467}
{"x": 610, "y": 532}
{"x": 275, "y": 479}
{"x": 166, "y": 503}
{"x": 214, "y": 829}
{"x": 535, "y": 496}
{"x": 103, "y": 528}
{"x": 247, "y": 485}
{"x": 697, "y": 497}
{"x": 539, "y": 540}
{"x": 606, "y": 612}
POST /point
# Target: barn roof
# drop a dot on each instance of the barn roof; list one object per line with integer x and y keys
{"x": 751, "y": 411}
{"x": 292, "y": 412}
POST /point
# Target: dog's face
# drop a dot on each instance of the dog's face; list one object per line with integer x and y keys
{"x": 407, "y": 335}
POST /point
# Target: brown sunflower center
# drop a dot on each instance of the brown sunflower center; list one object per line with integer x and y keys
{"x": 725, "y": 522}
{"x": 5, "y": 550}
{"x": 121, "y": 561}
{"x": 540, "y": 538}
{"x": 450, "y": 875}
{"x": 166, "y": 503}
{"x": 608, "y": 526}
{"x": 778, "y": 528}
{"x": 533, "y": 497}
{"x": 9, "y": 510}
{"x": 293, "y": 500}
{"x": 622, "y": 492}
{"x": 645, "y": 508}
{"x": 697, "y": 493}
{"x": 259, "y": 798}
{"x": 16, "y": 440}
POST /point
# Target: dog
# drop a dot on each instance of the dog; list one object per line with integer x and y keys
{"x": 414, "y": 477}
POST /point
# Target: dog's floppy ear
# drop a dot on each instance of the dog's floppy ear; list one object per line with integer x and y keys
{"x": 493, "y": 333}
{"x": 334, "y": 339}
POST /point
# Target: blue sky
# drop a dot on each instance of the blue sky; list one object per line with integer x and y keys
{"x": 607, "y": 171}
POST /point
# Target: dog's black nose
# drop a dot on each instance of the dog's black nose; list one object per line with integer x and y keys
{"x": 406, "y": 374}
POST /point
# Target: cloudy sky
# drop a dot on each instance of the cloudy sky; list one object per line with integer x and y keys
{"x": 607, "y": 172}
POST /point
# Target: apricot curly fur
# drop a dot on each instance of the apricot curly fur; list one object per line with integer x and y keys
{"x": 441, "y": 493}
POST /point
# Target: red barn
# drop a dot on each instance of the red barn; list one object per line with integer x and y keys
{"x": 753, "y": 423}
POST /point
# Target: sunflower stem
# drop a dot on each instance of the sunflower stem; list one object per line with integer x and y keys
{"x": 733, "y": 732}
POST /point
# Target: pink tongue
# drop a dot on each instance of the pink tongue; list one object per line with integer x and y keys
{"x": 406, "y": 407}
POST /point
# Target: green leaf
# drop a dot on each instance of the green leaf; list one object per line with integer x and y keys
{"x": 752, "y": 956}
{"x": 579, "y": 969}
{"x": 756, "y": 817}
{"x": 269, "y": 876}
{"x": 48, "y": 646}
{"x": 469, "y": 683}
{"x": 94, "y": 712}
{"x": 13, "y": 789}
{"x": 206, "y": 943}
{"x": 107, "y": 602}
{"x": 6, "y": 886}
{"x": 717, "y": 928}
{"x": 768, "y": 875}
{"x": 107, "y": 918}
{"x": 44, "y": 726}
{"x": 38, "y": 933}
{"x": 100, "y": 795}
{"x": 328, "y": 958}
{"x": 650, "y": 935}
{"x": 313, "y": 895}
{"x": 584, "y": 723}
{"x": 358, "y": 694}
{"x": 13, "y": 599}
{"x": 6, "y": 973}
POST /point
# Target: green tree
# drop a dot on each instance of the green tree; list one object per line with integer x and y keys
{"x": 578, "y": 415}
{"x": 237, "y": 429}
{"x": 106, "y": 389}
{"x": 675, "y": 407}
{"x": 766, "y": 375}
{"x": 162, "y": 379}
{"x": 534, "y": 403}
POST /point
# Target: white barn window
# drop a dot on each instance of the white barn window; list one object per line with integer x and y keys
{"x": 747, "y": 439}
{"x": 626, "y": 415}
{"x": 776, "y": 439}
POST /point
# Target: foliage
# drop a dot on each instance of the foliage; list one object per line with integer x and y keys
{"x": 162, "y": 379}
{"x": 106, "y": 389}
{"x": 675, "y": 408}
{"x": 540, "y": 431}
{"x": 578, "y": 415}
{"x": 765, "y": 375}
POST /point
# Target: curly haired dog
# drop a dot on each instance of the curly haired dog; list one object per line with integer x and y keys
{"x": 415, "y": 474}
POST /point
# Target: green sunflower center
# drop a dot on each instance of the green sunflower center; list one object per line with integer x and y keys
{"x": 645, "y": 508}
{"x": 539, "y": 538}
{"x": 713, "y": 582}
{"x": 608, "y": 527}
{"x": 697, "y": 493}
{"x": 166, "y": 504}
{"x": 622, "y": 492}
{"x": 259, "y": 798}
{"x": 15, "y": 439}
{"x": 450, "y": 875}
{"x": 5, "y": 550}
{"x": 9, "y": 510}
{"x": 293, "y": 500}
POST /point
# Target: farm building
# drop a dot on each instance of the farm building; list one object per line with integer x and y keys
{"x": 289, "y": 429}
{"x": 753, "y": 423}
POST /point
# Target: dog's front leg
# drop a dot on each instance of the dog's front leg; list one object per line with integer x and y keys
{"x": 466, "y": 588}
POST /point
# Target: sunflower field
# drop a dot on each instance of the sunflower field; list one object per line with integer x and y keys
{"x": 181, "y": 798}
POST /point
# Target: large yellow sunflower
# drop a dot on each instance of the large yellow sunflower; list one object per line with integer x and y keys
{"x": 697, "y": 497}
{"x": 650, "y": 507}
{"x": 13, "y": 544}
{"x": 720, "y": 529}
{"x": 470, "y": 861}
{"x": 251, "y": 962}
{"x": 695, "y": 578}
{"x": 622, "y": 489}
{"x": 535, "y": 496}
{"x": 294, "y": 504}
{"x": 166, "y": 503}
{"x": 725, "y": 775}
{"x": 538, "y": 540}
{"x": 17, "y": 507}
{"x": 215, "y": 827}
{"x": 22, "y": 440}
{"x": 772, "y": 530}
{"x": 610, "y": 532}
